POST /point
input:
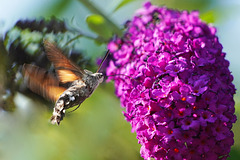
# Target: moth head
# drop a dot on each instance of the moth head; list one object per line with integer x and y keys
{"x": 99, "y": 77}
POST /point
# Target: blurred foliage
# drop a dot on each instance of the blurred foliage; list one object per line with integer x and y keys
{"x": 24, "y": 41}
{"x": 208, "y": 17}
{"x": 97, "y": 24}
{"x": 6, "y": 100}
{"x": 122, "y": 4}
{"x": 184, "y": 4}
{"x": 24, "y": 44}
{"x": 57, "y": 8}
{"x": 111, "y": 26}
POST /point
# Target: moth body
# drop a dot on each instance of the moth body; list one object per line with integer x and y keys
{"x": 75, "y": 95}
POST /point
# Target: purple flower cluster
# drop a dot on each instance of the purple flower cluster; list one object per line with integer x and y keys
{"x": 173, "y": 80}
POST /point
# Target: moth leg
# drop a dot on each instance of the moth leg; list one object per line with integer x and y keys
{"x": 75, "y": 108}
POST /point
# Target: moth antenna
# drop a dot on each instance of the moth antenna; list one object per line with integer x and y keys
{"x": 105, "y": 57}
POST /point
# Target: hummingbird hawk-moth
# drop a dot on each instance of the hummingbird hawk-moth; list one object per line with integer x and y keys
{"x": 81, "y": 82}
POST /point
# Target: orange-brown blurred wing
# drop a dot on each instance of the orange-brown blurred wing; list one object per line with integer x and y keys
{"x": 41, "y": 82}
{"x": 67, "y": 71}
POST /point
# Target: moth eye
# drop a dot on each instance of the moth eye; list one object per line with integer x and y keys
{"x": 100, "y": 76}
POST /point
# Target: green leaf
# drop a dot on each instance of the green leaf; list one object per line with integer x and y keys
{"x": 98, "y": 25}
{"x": 123, "y": 3}
{"x": 209, "y": 16}
{"x": 95, "y": 10}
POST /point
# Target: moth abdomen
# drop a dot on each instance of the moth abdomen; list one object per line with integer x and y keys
{"x": 67, "y": 100}
{"x": 58, "y": 112}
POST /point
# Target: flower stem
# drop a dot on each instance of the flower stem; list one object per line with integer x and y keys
{"x": 96, "y": 10}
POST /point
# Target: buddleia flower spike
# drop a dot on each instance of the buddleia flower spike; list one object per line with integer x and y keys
{"x": 182, "y": 107}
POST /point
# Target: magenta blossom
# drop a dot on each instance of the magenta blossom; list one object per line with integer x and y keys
{"x": 173, "y": 80}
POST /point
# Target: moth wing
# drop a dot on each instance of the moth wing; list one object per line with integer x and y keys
{"x": 42, "y": 82}
{"x": 67, "y": 71}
